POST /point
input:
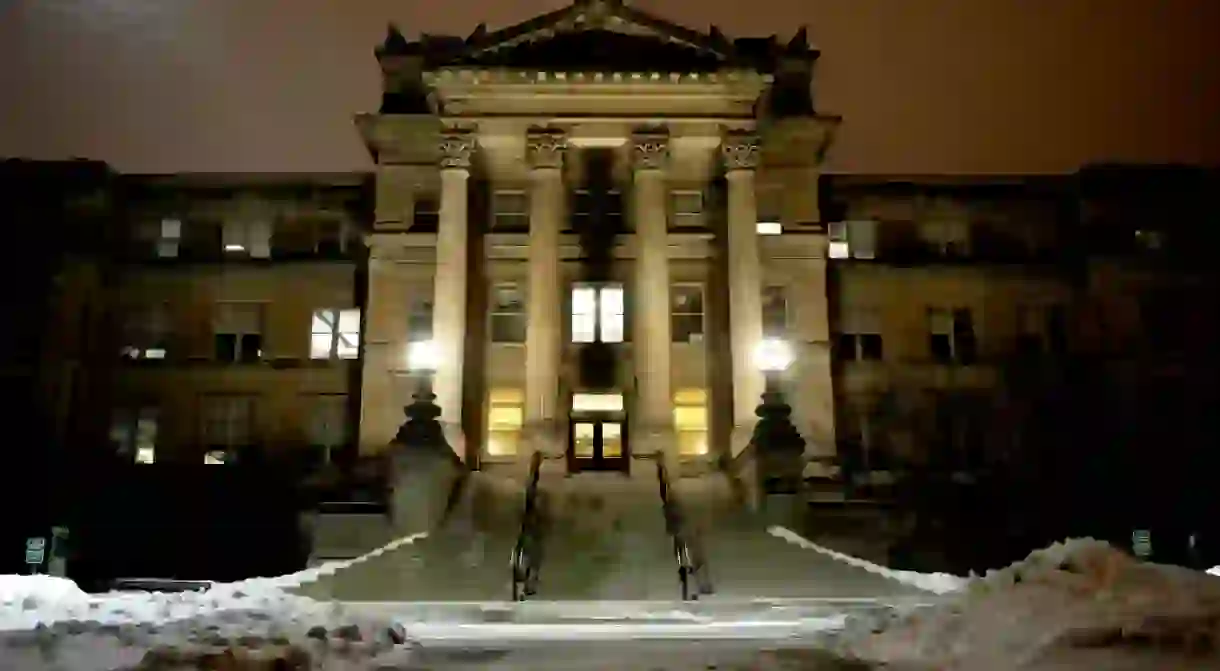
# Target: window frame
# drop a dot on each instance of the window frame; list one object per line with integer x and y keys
{"x": 232, "y": 438}
{"x": 495, "y": 311}
{"x": 421, "y": 310}
{"x": 769, "y": 330}
{"x": 676, "y": 316}
{"x": 956, "y": 344}
{"x": 500, "y": 430}
{"x": 336, "y": 334}
{"x": 857, "y": 324}
{"x": 507, "y": 221}
{"x": 599, "y": 312}
{"x": 681, "y": 220}
{"x": 239, "y": 349}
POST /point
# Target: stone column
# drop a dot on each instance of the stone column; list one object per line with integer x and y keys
{"x": 449, "y": 299}
{"x": 651, "y": 333}
{"x": 745, "y": 282}
{"x": 545, "y": 150}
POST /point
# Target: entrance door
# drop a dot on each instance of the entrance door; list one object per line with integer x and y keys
{"x": 597, "y": 445}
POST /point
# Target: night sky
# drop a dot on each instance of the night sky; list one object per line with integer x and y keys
{"x": 924, "y": 86}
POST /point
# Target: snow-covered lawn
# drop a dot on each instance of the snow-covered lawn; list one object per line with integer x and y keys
{"x": 1079, "y": 604}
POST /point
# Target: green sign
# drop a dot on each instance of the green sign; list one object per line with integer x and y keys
{"x": 35, "y": 550}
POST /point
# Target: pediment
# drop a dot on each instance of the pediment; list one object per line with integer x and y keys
{"x": 598, "y": 35}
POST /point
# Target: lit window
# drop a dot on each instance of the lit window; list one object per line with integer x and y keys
{"x": 582, "y": 402}
{"x": 769, "y": 228}
{"x": 335, "y": 334}
{"x": 505, "y": 417}
{"x": 686, "y": 209}
{"x": 247, "y": 238}
{"x": 169, "y": 238}
{"x": 238, "y": 332}
{"x": 598, "y": 314}
{"x": 227, "y": 424}
{"x": 691, "y": 421}
{"x": 133, "y": 434}
{"x": 508, "y": 317}
{"x": 852, "y": 239}
{"x": 510, "y": 211}
{"x": 686, "y": 313}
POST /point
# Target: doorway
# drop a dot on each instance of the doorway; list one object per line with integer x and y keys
{"x": 597, "y": 444}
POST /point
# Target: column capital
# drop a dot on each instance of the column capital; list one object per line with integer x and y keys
{"x": 545, "y": 148}
{"x": 456, "y": 147}
{"x": 740, "y": 150}
{"x": 649, "y": 149}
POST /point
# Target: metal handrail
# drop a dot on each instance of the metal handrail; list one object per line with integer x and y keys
{"x": 527, "y": 553}
{"x": 690, "y": 563}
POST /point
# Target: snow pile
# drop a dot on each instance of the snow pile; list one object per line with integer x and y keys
{"x": 48, "y": 622}
{"x": 1077, "y": 604}
{"x": 937, "y": 583}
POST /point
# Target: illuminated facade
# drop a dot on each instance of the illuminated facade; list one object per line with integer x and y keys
{"x": 596, "y": 216}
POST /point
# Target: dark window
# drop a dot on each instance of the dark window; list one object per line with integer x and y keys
{"x": 940, "y": 348}
{"x": 226, "y": 347}
{"x": 251, "y": 350}
{"x": 964, "y": 344}
{"x": 845, "y": 347}
{"x": 870, "y": 347}
{"x": 426, "y": 217}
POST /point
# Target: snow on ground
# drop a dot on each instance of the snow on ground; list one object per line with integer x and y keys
{"x": 937, "y": 583}
{"x": 1078, "y": 604}
{"x": 1075, "y": 605}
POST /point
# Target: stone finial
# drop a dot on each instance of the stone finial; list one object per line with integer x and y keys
{"x": 456, "y": 147}
{"x": 544, "y": 148}
{"x": 649, "y": 150}
{"x": 740, "y": 149}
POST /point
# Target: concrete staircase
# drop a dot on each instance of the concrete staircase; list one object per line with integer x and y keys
{"x": 465, "y": 559}
{"x": 746, "y": 562}
{"x": 605, "y": 538}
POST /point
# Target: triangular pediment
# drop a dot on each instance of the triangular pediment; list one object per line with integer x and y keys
{"x": 598, "y": 35}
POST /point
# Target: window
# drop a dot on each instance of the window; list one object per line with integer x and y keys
{"x": 686, "y": 210}
{"x": 690, "y": 421}
{"x": 309, "y": 238}
{"x": 859, "y": 337}
{"x": 769, "y": 228}
{"x": 507, "y": 314}
{"x": 426, "y": 214}
{"x": 169, "y": 237}
{"x": 201, "y": 240}
{"x": 949, "y": 238}
{"x": 951, "y": 335}
{"x": 327, "y": 428}
{"x": 145, "y": 332}
{"x": 1041, "y": 328}
{"x": 419, "y": 317}
{"x": 686, "y": 313}
{"x": 335, "y": 334}
{"x": 228, "y": 424}
{"x": 597, "y": 314}
{"x": 247, "y": 239}
{"x": 133, "y": 434}
{"x": 774, "y": 311}
{"x": 583, "y": 204}
{"x": 238, "y": 329}
{"x": 510, "y": 211}
{"x": 505, "y": 417}
{"x": 852, "y": 239}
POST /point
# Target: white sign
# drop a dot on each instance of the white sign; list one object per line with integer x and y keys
{"x": 1141, "y": 543}
{"x": 35, "y": 549}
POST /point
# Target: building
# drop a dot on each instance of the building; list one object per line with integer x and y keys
{"x": 596, "y": 216}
